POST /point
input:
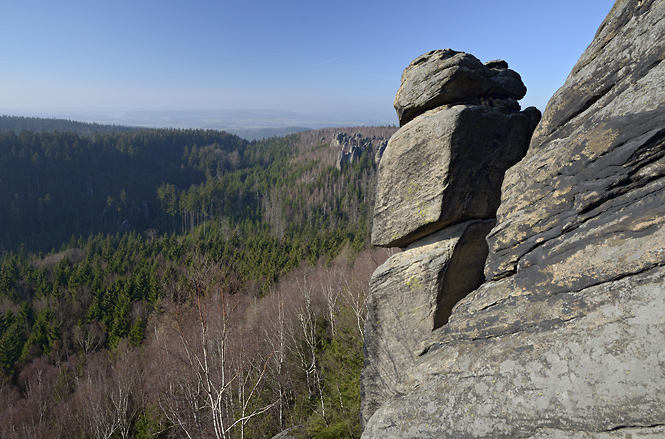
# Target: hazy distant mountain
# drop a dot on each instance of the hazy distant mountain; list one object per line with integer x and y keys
{"x": 37, "y": 124}
{"x": 250, "y": 122}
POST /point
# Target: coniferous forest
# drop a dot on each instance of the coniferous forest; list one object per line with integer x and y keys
{"x": 161, "y": 283}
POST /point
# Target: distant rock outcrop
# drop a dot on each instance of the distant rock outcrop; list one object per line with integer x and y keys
{"x": 351, "y": 147}
{"x": 566, "y": 336}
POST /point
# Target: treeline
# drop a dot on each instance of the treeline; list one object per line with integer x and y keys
{"x": 170, "y": 246}
{"x": 38, "y": 124}
{"x": 57, "y": 185}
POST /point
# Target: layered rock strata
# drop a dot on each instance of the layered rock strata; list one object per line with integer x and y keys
{"x": 566, "y": 338}
{"x": 438, "y": 190}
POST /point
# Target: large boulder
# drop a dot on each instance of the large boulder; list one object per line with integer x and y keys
{"x": 445, "y": 167}
{"x": 411, "y": 295}
{"x": 566, "y": 339}
{"x": 449, "y": 77}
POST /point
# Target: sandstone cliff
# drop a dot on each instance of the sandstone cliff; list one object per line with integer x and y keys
{"x": 565, "y": 336}
{"x": 439, "y": 184}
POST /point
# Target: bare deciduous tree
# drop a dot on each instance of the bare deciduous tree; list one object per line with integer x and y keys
{"x": 305, "y": 344}
{"x": 106, "y": 399}
{"x": 217, "y": 381}
{"x": 277, "y": 330}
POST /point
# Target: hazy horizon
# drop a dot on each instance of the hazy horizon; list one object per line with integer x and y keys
{"x": 230, "y": 119}
{"x": 289, "y": 63}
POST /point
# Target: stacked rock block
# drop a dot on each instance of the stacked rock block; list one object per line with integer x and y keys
{"x": 439, "y": 187}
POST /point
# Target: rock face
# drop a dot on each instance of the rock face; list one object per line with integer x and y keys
{"x": 413, "y": 293}
{"x": 438, "y": 190}
{"x": 352, "y": 146}
{"x": 566, "y": 337}
{"x": 295, "y": 432}
{"x": 445, "y": 167}
{"x": 597, "y": 151}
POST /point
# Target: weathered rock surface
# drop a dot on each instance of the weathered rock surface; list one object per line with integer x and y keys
{"x": 438, "y": 191}
{"x": 412, "y": 294}
{"x": 445, "y": 167}
{"x": 598, "y": 148}
{"x": 449, "y": 77}
{"x": 584, "y": 364}
{"x": 566, "y": 339}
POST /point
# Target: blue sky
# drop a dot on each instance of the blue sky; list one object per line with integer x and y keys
{"x": 305, "y": 56}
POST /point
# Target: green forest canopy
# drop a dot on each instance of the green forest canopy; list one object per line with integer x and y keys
{"x": 103, "y": 231}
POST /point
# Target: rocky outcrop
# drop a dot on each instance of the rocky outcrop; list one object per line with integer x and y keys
{"x": 295, "y": 432}
{"x": 597, "y": 151}
{"x": 379, "y": 152}
{"x": 566, "y": 337}
{"x": 448, "y": 77}
{"x": 352, "y": 146}
{"x": 585, "y": 364}
{"x": 438, "y": 190}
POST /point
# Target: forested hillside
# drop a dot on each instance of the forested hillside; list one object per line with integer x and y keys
{"x": 39, "y": 124}
{"x": 170, "y": 283}
{"x": 59, "y": 184}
